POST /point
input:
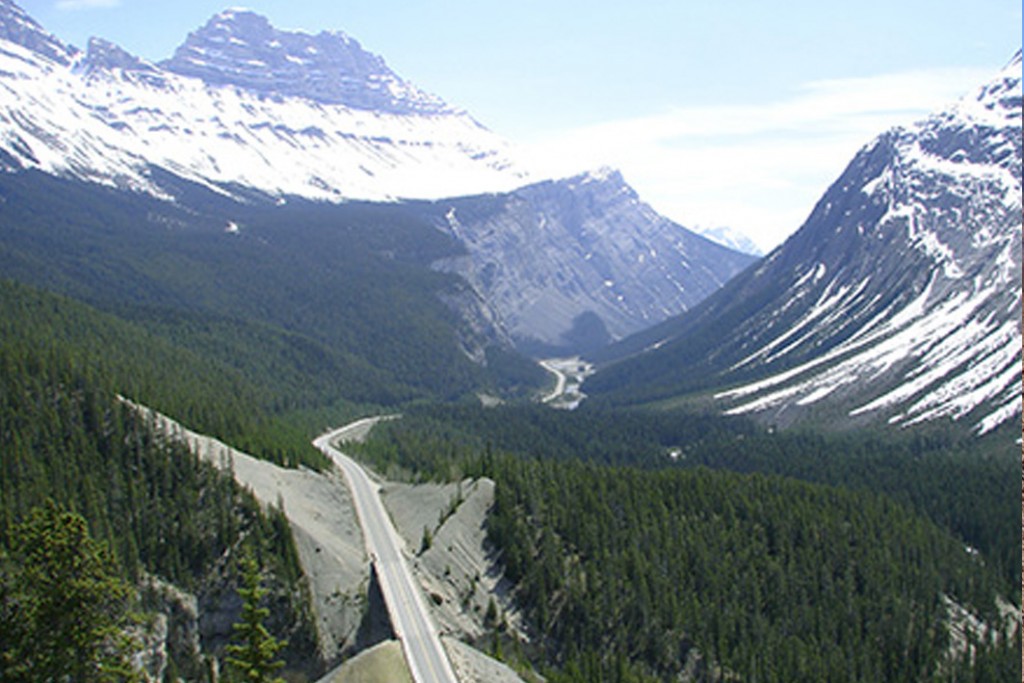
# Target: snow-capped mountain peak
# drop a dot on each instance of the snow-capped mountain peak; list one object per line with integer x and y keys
{"x": 241, "y": 103}
{"x": 729, "y": 237}
{"x": 241, "y": 48}
{"x": 899, "y": 299}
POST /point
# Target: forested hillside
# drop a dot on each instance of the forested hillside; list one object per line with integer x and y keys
{"x": 656, "y": 565}
{"x": 254, "y": 322}
{"x": 66, "y": 437}
{"x": 318, "y": 302}
{"x": 133, "y": 362}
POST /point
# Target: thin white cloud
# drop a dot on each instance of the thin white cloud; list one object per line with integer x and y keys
{"x": 756, "y": 168}
{"x": 71, "y": 5}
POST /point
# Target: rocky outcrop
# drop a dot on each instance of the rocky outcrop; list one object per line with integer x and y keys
{"x": 18, "y": 27}
{"x": 104, "y": 55}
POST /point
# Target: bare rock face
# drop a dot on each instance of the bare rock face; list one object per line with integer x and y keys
{"x": 572, "y": 264}
{"x": 104, "y": 55}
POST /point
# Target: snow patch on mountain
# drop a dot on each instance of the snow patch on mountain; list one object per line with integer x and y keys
{"x": 962, "y": 362}
{"x": 729, "y": 237}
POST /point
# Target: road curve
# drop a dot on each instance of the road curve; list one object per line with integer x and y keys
{"x": 421, "y": 643}
{"x": 560, "y": 380}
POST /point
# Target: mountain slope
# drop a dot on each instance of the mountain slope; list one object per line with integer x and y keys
{"x": 250, "y": 111}
{"x": 240, "y": 103}
{"x": 899, "y": 299}
{"x": 572, "y": 264}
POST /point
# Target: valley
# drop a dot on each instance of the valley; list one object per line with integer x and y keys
{"x": 272, "y": 315}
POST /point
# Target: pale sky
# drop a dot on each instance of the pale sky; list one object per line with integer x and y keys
{"x": 734, "y": 113}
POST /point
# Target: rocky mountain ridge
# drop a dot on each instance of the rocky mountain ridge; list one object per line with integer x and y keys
{"x": 241, "y": 48}
{"x": 18, "y": 27}
{"x": 898, "y": 300}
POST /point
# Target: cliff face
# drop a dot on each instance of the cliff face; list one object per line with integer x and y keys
{"x": 242, "y": 49}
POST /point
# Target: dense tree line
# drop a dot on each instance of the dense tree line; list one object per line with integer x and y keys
{"x": 646, "y": 565}
{"x": 965, "y": 484}
{"x": 200, "y": 391}
{"x": 769, "y": 578}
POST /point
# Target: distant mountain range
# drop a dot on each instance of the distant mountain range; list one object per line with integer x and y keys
{"x": 260, "y": 114}
{"x": 731, "y": 238}
{"x": 898, "y": 300}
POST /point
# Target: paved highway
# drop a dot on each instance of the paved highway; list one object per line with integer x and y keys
{"x": 560, "y": 380}
{"x": 420, "y": 640}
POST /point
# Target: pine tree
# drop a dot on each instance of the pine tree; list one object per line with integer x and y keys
{"x": 427, "y": 540}
{"x": 64, "y": 610}
{"x": 491, "y": 616}
{"x": 254, "y": 657}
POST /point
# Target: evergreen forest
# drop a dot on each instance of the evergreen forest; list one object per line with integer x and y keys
{"x": 642, "y": 544}
{"x": 161, "y": 515}
{"x": 829, "y": 558}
